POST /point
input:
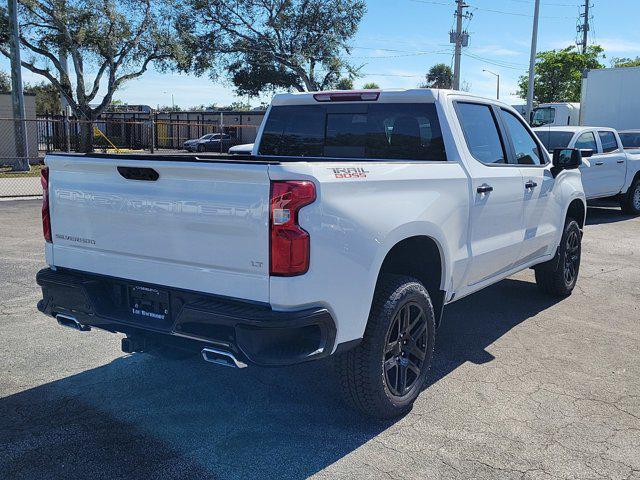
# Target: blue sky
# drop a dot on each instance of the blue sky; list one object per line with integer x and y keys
{"x": 399, "y": 40}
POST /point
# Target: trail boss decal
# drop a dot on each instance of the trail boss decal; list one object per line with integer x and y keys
{"x": 349, "y": 172}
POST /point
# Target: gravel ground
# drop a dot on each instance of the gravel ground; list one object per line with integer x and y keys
{"x": 523, "y": 387}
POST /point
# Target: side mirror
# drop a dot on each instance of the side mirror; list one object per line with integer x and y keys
{"x": 566, "y": 159}
{"x": 586, "y": 152}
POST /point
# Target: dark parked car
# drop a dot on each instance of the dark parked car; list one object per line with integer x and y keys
{"x": 210, "y": 143}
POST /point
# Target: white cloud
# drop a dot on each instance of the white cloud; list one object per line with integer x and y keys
{"x": 617, "y": 45}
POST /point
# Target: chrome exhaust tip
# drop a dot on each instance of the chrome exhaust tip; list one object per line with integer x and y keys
{"x": 221, "y": 357}
{"x": 70, "y": 322}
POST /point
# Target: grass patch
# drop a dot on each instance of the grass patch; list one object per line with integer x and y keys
{"x": 34, "y": 171}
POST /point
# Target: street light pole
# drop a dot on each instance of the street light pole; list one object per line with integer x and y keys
{"x": 532, "y": 59}
{"x": 498, "y": 86}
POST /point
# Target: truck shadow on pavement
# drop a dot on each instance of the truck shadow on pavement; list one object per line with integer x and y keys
{"x": 139, "y": 417}
{"x": 603, "y": 213}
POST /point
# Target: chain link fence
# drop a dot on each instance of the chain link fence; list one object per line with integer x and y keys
{"x": 24, "y": 144}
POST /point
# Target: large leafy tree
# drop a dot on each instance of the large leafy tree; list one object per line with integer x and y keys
{"x": 107, "y": 43}
{"x": 5, "y": 82}
{"x": 47, "y": 97}
{"x": 618, "y": 62}
{"x": 438, "y": 76}
{"x": 345, "y": 83}
{"x": 558, "y": 74}
{"x": 271, "y": 44}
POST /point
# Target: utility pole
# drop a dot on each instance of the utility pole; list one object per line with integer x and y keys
{"x": 460, "y": 39}
{"x": 17, "y": 95}
{"x": 584, "y": 27}
{"x": 532, "y": 59}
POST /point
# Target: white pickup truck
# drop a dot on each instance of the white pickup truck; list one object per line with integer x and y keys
{"x": 607, "y": 169}
{"x": 357, "y": 218}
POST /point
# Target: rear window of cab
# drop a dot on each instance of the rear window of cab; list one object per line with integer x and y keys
{"x": 354, "y": 130}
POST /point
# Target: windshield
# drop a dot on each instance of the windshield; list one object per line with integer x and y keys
{"x": 552, "y": 139}
{"x": 630, "y": 139}
{"x": 354, "y": 130}
{"x": 543, "y": 116}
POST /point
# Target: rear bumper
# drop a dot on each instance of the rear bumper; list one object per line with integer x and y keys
{"x": 253, "y": 332}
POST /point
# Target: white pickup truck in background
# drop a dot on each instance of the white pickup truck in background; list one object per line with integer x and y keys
{"x": 607, "y": 170}
{"x": 358, "y": 217}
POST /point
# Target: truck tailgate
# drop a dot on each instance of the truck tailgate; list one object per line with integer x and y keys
{"x": 200, "y": 226}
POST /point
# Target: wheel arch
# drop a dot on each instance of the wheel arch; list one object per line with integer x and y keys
{"x": 421, "y": 257}
{"x": 577, "y": 210}
{"x": 635, "y": 178}
{"x": 630, "y": 180}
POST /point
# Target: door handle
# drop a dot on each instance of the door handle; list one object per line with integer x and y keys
{"x": 599, "y": 163}
{"x": 530, "y": 185}
{"x": 484, "y": 188}
{"x": 620, "y": 161}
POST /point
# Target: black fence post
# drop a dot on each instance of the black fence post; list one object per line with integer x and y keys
{"x": 152, "y": 134}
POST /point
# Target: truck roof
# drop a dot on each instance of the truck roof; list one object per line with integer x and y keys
{"x": 568, "y": 128}
{"x": 387, "y": 95}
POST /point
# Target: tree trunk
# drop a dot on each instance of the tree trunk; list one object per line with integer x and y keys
{"x": 86, "y": 136}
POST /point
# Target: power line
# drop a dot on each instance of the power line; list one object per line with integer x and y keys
{"x": 548, "y": 4}
{"x": 501, "y": 12}
{"x": 369, "y": 74}
{"x": 401, "y": 55}
{"x": 504, "y": 62}
{"x": 492, "y": 62}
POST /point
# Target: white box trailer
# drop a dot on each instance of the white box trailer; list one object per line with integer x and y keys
{"x": 611, "y": 98}
{"x": 558, "y": 114}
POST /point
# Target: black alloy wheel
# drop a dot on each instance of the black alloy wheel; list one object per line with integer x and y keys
{"x": 406, "y": 349}
{"x": 572, "y": 257}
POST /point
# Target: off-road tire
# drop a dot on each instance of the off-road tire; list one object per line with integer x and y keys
{"x": 630, "y": 201}
{"x": 362, "y": 369}
{"x": 552, "y": 276}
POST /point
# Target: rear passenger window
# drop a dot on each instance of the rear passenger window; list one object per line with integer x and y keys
{"x": 481, "y": 133}
{"x": 609, "y": 142}
{"x": 355, "y": 130}
{"x": 294, "y": 131}
{"x": 526, "y": 148}
{"x": 587, "y": 141}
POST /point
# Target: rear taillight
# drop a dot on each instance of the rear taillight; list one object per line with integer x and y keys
{"x": 46, "y": 218}
{"x": 289, "y": 242}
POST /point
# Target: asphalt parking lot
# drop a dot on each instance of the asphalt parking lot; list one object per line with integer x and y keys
{"x": 523, "y": 387}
